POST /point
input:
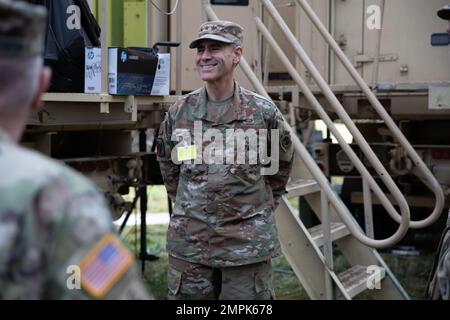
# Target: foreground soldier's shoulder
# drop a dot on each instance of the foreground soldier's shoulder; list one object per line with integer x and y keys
{"x": 112, "y": 278}
{"x": 28, "y": 165}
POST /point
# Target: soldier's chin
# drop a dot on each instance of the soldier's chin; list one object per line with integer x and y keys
{"x": 208, "y": 76}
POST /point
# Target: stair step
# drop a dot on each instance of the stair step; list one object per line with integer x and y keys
{"x": 301, "y": 187}
{"x": 338, "y": 231}
{"x": 358, "y": 278}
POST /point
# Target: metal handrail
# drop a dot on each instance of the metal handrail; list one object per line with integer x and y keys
{"x": 318, "y": 174}
{"x": 426, "y": 176}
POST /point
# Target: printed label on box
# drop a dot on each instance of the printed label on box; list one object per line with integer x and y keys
{"x": 93, "y": 70}
{"x": 161, "y": 83}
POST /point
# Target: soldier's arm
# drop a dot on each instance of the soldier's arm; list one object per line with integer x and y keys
{"x": 443, "y": 267}
{"x": 170, "y": 171}
{"x": 279, "y": 180}
{"x": 84, "y": 257}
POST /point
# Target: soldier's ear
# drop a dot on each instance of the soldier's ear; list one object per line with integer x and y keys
{"x": 43, "y": 85}
{"x": 238, "y": 54}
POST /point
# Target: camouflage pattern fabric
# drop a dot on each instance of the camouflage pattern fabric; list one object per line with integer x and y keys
{"x": 439, "y": 283}
{"x": 223, "y": 31}
{"x": 223, "y": 213}
{"x": 22, "y": 27}
{"x": 191, "y": 281}
{"x": 50, "y": 218}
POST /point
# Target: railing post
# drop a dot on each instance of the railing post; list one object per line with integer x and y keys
{"x": 327, "y": 245}
{"x": 104, "y": 106}
{"x": 368, "y": 213}
{"x": 179, "y": 52}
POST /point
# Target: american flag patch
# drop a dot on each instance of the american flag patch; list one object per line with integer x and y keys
{"x": 104, "y": 265}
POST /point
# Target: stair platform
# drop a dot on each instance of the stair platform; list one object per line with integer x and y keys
{"x": 358, "y": 278}
{"x": 301, "y": 187}
{"x": 338, "y": 231}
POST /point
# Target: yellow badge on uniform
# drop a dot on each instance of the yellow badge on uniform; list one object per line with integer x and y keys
{"x": 104, "y": 265}
{"x": 187, "y": 153}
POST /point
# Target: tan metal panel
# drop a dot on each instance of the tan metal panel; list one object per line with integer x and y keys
{"x": 288, "y": 13}
{"x": 193, "y": 16}
{"x": 408, "y": 25}
{"x": 349, "y": 34}
{"x": 311, "y": 40}
{"x": 406, "y": 53}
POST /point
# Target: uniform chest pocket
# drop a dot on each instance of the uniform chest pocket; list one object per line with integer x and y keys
{"x": 245, "y": 173}
{"x": 193, "y": 171}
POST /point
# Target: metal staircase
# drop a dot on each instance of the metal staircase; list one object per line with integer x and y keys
{"x": 310, "y": 251}
{"x": 305, "y": 251}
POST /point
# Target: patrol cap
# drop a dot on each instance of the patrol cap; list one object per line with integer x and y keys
{"x": 219, "y": 30}
{"x": 22, "y": 28}
{"x": 444, "y": 12}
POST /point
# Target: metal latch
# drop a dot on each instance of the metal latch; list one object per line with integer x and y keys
{"x": 131, "y": 107}
{"x": 365, "y": 58}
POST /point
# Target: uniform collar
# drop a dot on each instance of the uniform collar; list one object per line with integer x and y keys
{"x": 235, "y": 112}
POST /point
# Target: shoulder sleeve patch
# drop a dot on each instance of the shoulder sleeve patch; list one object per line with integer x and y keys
{"x": 104, "y": 265}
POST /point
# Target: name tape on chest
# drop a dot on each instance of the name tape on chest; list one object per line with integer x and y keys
{"x": 104, "y": 265}
{"x": 187, "y": 153}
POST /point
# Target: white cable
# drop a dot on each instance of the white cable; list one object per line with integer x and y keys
{"x": 163, "y": 12}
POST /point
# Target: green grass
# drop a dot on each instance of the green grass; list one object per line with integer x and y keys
{"x": 286, "y": 285}
{"x": 155, "y": 276}
{"x": 411, "y": 271}
{"x": 285, "y": 282}
{"x": 157, "y": 199}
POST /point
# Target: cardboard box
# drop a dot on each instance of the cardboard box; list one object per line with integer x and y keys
{"x": 93, "y": 70}
{"x": 138, "y": 71}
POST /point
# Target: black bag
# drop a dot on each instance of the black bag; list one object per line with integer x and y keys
{"x": 70, "y": 28}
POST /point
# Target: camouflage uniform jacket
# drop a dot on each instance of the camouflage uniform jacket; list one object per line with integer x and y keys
{"x": 223, "y": 213}
{"x": 50, "y": 220}
{"x": 438, "y": 287}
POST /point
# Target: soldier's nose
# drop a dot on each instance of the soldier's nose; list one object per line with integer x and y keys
{"x": 206, "y": 55}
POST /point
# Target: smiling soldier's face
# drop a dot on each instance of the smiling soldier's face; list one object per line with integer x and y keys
{"x": 215, "y": 60}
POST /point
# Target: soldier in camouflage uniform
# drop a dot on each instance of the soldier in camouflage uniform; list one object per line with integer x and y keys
{"x": 439, "y": 282}
{"x": 57, "y": 240}
{"x": 222, "y": 234}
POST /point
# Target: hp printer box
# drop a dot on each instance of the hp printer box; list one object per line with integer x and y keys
{"x": 138, "y": 71}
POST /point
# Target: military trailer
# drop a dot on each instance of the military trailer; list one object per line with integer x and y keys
{"x": 381, "y": 68}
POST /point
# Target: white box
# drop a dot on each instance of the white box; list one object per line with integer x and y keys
{"x": 93, "y": 70}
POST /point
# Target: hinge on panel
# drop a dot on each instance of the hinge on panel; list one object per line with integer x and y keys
{"x": 131, "y": 107}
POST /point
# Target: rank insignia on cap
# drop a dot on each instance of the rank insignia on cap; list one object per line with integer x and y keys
{"x": 104, "y": 265}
